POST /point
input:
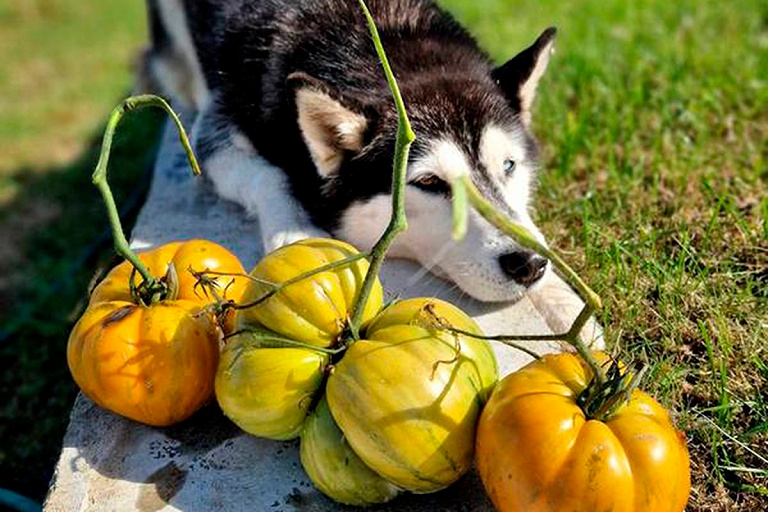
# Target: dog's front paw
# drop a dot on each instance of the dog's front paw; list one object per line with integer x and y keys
{"x": 282, "y": 238}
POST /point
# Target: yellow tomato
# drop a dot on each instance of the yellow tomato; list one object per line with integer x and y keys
{"x": 313, "y": 310}
{"x": 409, "y": 395}
{"x": 268, "y": 391}
{"x": 538, "y": 452}
{"x": 154, "y": 363}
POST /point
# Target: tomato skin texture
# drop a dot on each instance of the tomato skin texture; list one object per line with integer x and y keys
{"x": 313, "y": 310}
{"x": 335, "y": 468}
{"x": 151, "y": 364}
{"x": 407, "y": 403}
{"x": 537, "y": 452}
{"x": 267, "y": 391}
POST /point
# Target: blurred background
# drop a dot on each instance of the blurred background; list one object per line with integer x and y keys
{"x": 653, "y": 119}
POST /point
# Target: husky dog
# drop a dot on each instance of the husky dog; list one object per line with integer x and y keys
{"x": 296, "y": 122}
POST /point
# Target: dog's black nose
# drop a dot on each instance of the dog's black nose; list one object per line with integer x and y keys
{"x": 523, "y": 267}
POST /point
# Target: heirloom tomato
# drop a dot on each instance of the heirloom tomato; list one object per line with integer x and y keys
{"x": 152, "y": 362}
{"x": 315, "y": 309}
{"x": 408, "y": 396}
{"x": 267, "y": 391}
{"x": 335, "y": 468}
{"x": 537, "y": 450}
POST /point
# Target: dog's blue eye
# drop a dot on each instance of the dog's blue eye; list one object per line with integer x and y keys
{"x": 509, "y": 166}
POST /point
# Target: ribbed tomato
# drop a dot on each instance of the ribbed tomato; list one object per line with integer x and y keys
{"x": 153, "y": 362}
{"x": 537, "y": 451}
{"x": 267, "y": 380}
{"x": 268, "y": 391}
{"x": 335, "y": 468}
{"x": 312, "y": 310}
{"x": 408, "y": 396}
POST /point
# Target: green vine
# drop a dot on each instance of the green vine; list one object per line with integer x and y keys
{"x": 152, "y": 289}
{"x": 464, "y": 192}
{"x": 278, "y": 287}
{"x": 525, "y": 238}
{"x": 397, "y": 223}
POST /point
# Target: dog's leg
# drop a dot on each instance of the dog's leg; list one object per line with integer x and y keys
{"x": 241, "y": 175}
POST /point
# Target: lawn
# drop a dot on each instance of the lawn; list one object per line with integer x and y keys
{"x": 653, "y": 119}
{"x": 64, "y": 66}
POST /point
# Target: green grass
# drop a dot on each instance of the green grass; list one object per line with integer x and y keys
{"x": 653, "y": 119}
{"x": 65, "y": 65}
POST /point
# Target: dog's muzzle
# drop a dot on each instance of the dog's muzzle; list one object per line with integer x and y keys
{"x": 523, "y": 267}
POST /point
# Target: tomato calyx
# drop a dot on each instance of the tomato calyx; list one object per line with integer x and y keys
{"x": 155, "y": 290}
{"x": 600, "y": 401}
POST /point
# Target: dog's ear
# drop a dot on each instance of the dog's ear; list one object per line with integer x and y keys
{"x": 330, "y": 129}
{"x": 519, "y": 77}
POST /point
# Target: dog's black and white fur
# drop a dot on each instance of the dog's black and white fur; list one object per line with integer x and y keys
{"x": 297, "y": 124}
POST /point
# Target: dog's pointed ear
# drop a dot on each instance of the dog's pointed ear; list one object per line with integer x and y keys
{"x": 330, "y": 129}
{"x": 519, "y": 77}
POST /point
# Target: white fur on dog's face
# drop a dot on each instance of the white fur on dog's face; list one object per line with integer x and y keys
{"x": 473, "y": 263}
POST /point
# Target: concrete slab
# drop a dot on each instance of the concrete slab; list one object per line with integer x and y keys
{"x": 110, "y": 463}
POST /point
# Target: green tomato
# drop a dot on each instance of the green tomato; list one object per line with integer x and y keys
{"x": 335, "y": 468}
{"x": 268, "y": 391}
{"x": 408, "y": 397}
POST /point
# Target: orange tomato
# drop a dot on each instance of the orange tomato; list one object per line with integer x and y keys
{"x": 538, "y": 452}
{"x": 197, "y": 255}
{"x": 154, "y": 363}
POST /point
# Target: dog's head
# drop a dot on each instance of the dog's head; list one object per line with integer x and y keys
{"x": 475, "y": 123}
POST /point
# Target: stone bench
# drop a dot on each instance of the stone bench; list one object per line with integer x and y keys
{"x": 109, "y": 463}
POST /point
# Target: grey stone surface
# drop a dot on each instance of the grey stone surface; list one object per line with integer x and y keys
{"x": 110, "y": 463}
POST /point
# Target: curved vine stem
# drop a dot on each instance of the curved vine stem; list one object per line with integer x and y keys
{"x": 508, "y": 339}
{"x": 398, "y": 222}
{"x": 464, "y": 191}
{"x": 522, "y": 236}
{"x": 268, "y": 339}
{"x": 99, "y": 177}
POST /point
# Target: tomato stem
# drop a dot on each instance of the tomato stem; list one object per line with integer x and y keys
{"x": 463, "y": 191}
{"x": 622, "y": 396}
{"x": 398, "y": 222}
{"x": 509, "y": 339}
{"x": 601, "y": 401}
{"x": 437, "y": 322}
{"x": 154, "y": 287}
{"x": 460, "y": 209}
{"x": 268, "y": 339}
{"x": 522, "y": 236}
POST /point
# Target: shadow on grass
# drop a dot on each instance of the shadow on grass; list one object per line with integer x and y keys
{"x": 59, "y": 254}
